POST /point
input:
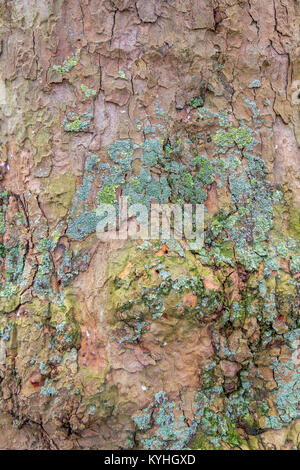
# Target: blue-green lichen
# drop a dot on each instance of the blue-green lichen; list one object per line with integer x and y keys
{"x": 68, "y": 64}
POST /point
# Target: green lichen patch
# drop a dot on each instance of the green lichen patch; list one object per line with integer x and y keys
{"x": 77, "y": 123}
{"x": 68, "y": 64}
{"x": 168, "y": 420}
{"x": 88, "y": 92}
{"x": 108, "y": 194}
{"x": 242, "y": 137}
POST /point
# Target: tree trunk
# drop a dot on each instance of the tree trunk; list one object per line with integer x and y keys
{"x": 149, "y": 343}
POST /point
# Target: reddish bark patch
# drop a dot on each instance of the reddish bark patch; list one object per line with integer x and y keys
{"x": 37, "y": 380}
{"x": 163, "y": 251}
{"x": 190, "y": 300}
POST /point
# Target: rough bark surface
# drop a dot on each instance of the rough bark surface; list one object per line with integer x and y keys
{"x": 149, "y": 345}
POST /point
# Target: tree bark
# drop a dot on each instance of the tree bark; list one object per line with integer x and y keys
{"x": 149, "y": 344}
